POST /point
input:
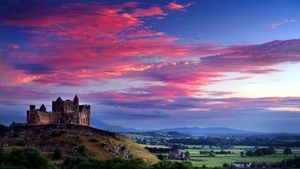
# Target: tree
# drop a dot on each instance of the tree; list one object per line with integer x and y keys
{"x": 161, "y": 157}
{"x": 57, "y": 154}
{"x": 261, "y": 152}
{"x": 226, "y": 165}
{"x": 82, "y": 163}
{"x": 297, "y": 162}
{"x": 131, "y": 163}
{"x": 81, "y": 150}
{"x": 287, "y": 150}
{"x": 242, "y": 154}
{"x": 172, "y": 165}
{"x": 25, "y": 159}
{"x": 249, "y": 153}
{"x": 2, "y": 155}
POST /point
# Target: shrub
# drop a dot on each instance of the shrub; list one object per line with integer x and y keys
{"x": 123, "y": 148}
{"x": 161, "y": 157}
{"x": 287, "y": 150}
{"x": 172, "y": 165}
{"x": 81, "y": 163}
{"x": 81, "y": 150}
{"x": 93, "y": 140}
{"x": 20, "y": 143}
{"x": 57, "y": 154}
{"x": 226, "y": 165}
{"x": 261, "y": 151}
{"x": 24, "y": 159}
{"x": 77, "y": 139}
{"x": 131, "y": 163}
{"x": 115, "y": 163}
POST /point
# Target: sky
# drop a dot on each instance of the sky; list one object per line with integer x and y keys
{"x": 155, "y": 64}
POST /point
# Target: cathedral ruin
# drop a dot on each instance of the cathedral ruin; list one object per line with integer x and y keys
{"x": 63, "y": 112}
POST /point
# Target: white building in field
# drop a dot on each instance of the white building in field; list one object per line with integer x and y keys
{"x": 242, "y": 164}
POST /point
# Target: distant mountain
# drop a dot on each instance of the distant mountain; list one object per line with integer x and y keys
{"x": 114, "y": 128}
{"x": 219, "y": 131}
{"x": 197, "y": 131}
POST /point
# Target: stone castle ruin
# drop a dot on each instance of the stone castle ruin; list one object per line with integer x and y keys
{"x": 176, "y": 154}
{"x": 63, "y": 112}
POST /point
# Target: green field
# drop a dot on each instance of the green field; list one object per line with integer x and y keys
{"x": 217, "y": 161}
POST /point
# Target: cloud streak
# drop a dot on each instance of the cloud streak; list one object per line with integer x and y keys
{"x": 283, "y": 22}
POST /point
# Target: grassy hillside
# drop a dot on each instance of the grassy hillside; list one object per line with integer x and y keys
{"x": 72, "y": 140}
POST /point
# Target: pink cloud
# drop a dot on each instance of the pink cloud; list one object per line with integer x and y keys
{"x": 283, "y": 22}
{"x": 106, "y": 43}
{"x": 219, "y": 93}
{"x": 174, "y": 6}
{"x": 152, "y": 11}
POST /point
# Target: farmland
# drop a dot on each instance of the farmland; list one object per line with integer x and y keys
{"x": 218, "y": 160}
{"x": 216, "y": 150}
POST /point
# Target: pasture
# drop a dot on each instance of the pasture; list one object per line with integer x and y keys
{"x": 235, "y": 156}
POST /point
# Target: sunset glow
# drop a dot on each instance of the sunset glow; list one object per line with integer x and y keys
{"x": 155, "y": 64}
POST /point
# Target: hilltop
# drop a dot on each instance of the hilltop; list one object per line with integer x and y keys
{"x": 72, "y": 140}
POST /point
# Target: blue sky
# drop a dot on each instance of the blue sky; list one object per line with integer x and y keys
{"x": 233, "y": 22}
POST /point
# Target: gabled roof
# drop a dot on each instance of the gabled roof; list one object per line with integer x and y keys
{"x": 59, "y": 99}
{"x": 43, "y": 107}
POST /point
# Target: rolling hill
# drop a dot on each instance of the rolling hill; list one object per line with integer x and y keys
{"x": 72, "y": 140}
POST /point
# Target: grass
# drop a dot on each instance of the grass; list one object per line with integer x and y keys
{"x": 218, "y": 161}
{"x": 95, "y": 148}
{"x": 133, "y": 135}
{"x": 154, "y": 146}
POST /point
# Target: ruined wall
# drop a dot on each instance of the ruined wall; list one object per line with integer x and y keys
{"x": 38, "y": 117}
{"x": 58, "y": 106}
{"x": 84, "y": 115}
{"x": 69, "y": 107}
{"x": 63, "y": 112}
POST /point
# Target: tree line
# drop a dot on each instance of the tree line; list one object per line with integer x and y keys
{"x": 261, "y": 152}
{"x": 247, "y": 141}
{"x": 29, "y": 158}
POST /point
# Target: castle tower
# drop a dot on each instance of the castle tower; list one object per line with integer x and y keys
{"x": 76, "y": 106}
{"x": 29, "y": 113}
{"x": 58, "y": 105}
{"x": 43, "y": 108}
{"x": 32, "y": 108}
{"x": 76, "y": 103}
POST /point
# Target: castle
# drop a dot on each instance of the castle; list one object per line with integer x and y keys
{"x": 63, "y": 112}
{"x": 176, "y": 154}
